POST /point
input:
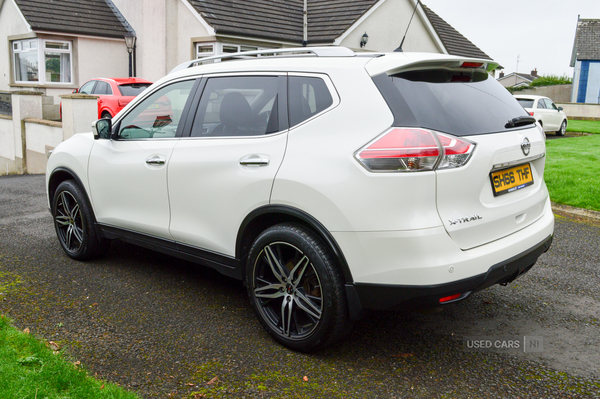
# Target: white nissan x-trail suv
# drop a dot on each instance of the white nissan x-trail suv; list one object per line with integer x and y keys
{"x": 329, "y": 182}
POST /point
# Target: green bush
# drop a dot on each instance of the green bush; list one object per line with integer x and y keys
{"x": 550, "y": 80}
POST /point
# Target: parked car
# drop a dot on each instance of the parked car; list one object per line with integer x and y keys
{"x": 543, "y": 109}
{"x": 115, "y": 93}
{"x": 330, "y": 182}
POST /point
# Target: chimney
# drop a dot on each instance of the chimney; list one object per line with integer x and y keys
{"x": 534, "y": 73}
{"x": 501, "y": 74}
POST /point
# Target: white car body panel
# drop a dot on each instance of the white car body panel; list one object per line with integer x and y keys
{"x": 333, "y": 187}
{"x": 211, "y": 192}
{"x": 126, "y": 191}
{"x": 72, "y": 154}
{"x": 467, "y": 191}
{"x": 429, "y": 256}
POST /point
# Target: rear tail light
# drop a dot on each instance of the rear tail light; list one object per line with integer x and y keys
{"x": 414, "y": 150}
{"x": 530, "y": 113}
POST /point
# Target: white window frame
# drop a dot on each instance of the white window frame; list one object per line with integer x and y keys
{"x": 17, "y": 47}
{"x": 217, "y": 48}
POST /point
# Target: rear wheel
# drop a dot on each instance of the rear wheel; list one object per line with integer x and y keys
{"x": 563, "y": 129}
{"x": 74, "y": 222}
{"x": 296, "y": 289}
{"x": 106, "y": 115}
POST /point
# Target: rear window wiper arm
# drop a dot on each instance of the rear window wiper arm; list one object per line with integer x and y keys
{"x": 520, "y": 121}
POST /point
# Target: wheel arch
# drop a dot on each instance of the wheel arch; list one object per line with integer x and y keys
{"x": 60, "y": 175}
{"x": 270, "y": 215}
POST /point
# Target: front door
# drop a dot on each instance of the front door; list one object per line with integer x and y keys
{"x": 226, "y": 167}
{"x": 128, "y": 174}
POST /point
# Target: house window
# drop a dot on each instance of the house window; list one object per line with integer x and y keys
{"x": 26, "y": 61}
{"x": 42, "y": 61}
{"x": 209, "y": 49}
{"x": 204, "y": 50}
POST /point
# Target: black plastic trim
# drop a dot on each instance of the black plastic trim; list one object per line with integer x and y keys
{"x": 62, "y": 169}
{"x": 382, "y": 296}
{"x": 314, "y": 224}
{"x": 224, "y": 264}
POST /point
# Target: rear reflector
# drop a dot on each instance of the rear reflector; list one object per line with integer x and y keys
{"x": 450, "y": 298}
{"x": 413, "y": 150}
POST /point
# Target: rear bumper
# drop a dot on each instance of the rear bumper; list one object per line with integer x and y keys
{"x": 382, "y": 296}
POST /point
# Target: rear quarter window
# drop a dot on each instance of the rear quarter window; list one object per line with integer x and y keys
{"x": 307, "y": 96}
{"x": 458, "y": 102}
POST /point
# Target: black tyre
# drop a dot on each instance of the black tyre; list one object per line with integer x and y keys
{"x": 106, "y": 115}
{"x": 296, "y": 288}
{"x": 74, "y": 222}
{"x": 563, "y": 129}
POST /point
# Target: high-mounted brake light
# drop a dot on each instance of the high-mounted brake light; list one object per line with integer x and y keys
{"x": 414, "y": 150}
{"x": 468, "y": 64}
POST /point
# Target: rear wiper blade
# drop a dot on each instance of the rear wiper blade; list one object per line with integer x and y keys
{"x": 520, "y": 121}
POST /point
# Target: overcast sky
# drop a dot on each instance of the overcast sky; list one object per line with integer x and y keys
{"x": 539, "y": 32}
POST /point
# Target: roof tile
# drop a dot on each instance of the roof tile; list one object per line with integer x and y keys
{"x": 89, "y": 17}
{"x": 587, "y": 39}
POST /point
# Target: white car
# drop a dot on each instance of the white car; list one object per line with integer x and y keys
{"x": 329, "y": 182}
{"x": 543, "y": 109}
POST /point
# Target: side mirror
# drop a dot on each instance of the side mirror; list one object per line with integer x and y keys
{"x": 75, "y": 91}
{"x": 560, "y": 108}
{"x": 102, "y": 129}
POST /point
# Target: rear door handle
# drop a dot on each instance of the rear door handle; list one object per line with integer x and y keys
{"x": 155, "y": 160}
{"x": 255, "y": 160}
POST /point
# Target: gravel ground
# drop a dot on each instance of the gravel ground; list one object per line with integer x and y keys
{"x": 169, "y": 329}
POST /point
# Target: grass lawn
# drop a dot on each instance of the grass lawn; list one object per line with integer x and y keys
{"x": 573, "y": 170}
{"x": 583, "y": 126}
{"x": 30, "y": 369}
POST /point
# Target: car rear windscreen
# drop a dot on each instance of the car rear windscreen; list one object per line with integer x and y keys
{"x": 133, "y": 89}
{"x": 525, "y": 102}
{"x": 458, "y": 102}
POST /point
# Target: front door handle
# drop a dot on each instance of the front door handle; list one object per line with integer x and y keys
{"x": 155, "y": 160}
{"x": 254, "y": 160}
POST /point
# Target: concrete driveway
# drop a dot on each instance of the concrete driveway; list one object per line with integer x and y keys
{"x": 166, "y": 328}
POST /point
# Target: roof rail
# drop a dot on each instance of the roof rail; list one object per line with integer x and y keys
{"x": 332, "y": 51}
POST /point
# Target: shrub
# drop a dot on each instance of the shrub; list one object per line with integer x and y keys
{"x": 550, "y": 80}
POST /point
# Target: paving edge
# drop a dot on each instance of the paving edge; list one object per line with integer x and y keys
{"x": 578, "y": 212}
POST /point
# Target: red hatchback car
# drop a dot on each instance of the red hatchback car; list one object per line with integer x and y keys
{"x": 115, "y": 93}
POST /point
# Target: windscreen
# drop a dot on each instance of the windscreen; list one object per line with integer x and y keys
{"x": 133, "y": 89}
{"x": 458, "y": 102}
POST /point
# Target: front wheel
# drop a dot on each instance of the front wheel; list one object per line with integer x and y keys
{"x": 74, "y": 222}
{"x": 563, "y": 129}
{"x": 296, "y": 288}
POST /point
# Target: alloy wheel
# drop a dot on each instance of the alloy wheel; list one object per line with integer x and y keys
{"x": 287, "y": 290}
{"x": 69, "y": 224}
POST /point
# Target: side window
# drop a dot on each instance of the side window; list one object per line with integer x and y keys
{"x": 550, "y": 104}
{"x": 158, "y": 115}
{"x": 307, "y": 96}
{"x": 102, "y": 88}
{"x": 88, "y": 87}
{"x": 238, "y": 106}
{"x": 541, "y": 103}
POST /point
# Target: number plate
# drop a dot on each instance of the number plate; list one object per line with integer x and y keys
{"x": 513, "y": 179}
